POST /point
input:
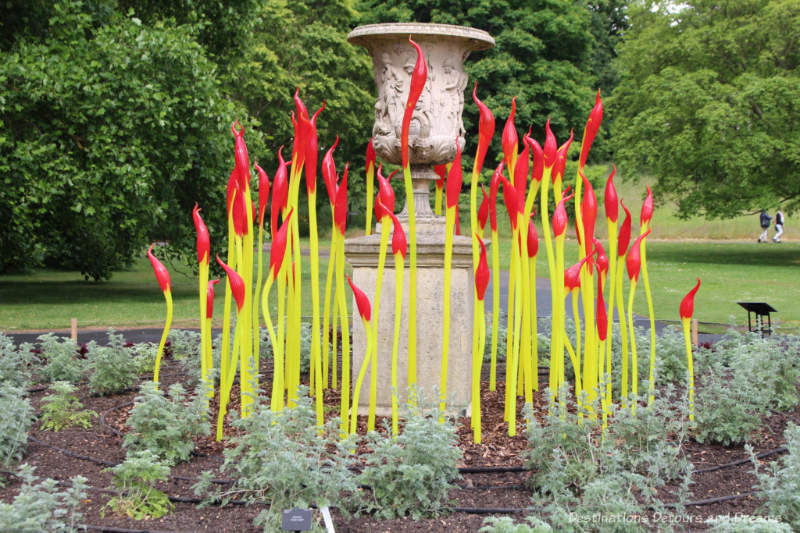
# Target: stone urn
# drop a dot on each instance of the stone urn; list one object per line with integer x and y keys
{"x": 437, "y": 124}
{"x": 436, "y": 127}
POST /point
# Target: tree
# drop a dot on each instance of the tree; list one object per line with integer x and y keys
{"x": 708, "y": 101}
{"x": 542, "y": 56}
{"x": 303, "y": 45}
{"x": 110, "y": 131}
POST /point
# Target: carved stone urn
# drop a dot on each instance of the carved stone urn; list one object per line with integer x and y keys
{"x": 436, "y": 125}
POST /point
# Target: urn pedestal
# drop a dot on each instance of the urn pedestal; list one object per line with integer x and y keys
{"x": 436, "y": 127}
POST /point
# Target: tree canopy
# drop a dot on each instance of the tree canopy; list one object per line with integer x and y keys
{"x": 115, "y": 114}
{"x": 708, "y": 101}
{"x": 543, "y": 56}
{"x": 110, "y": 131}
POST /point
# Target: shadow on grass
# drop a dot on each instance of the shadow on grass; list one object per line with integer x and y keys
{"x": 772, "y": 255}
{"x": 81, "y": 292}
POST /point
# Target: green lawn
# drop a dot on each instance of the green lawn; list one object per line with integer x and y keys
{"x": 730, "y": 272}
{"x": 732, "y": 269}
{"x": 47, "y": 299}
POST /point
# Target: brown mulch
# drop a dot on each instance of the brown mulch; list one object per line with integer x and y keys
{"x": 474, "y": 491}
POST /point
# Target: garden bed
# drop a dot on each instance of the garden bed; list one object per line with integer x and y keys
{"x": 494, "y": 474}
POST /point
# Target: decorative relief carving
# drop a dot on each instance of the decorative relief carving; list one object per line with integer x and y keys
{"x": 437, "y": 123}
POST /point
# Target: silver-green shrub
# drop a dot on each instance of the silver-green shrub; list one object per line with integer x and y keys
{"x": 184, "y": 343}
{"x": 579, "y": 471}
{"x": 780, "y": 486}
{"x": 62, "y": 409}
{"x": 284, "y": 458}
{"x": 746, "y": 524}
{"x": 167, "y": 425}
{"x": 42, "y": 506}
{"x": 113, "y": 367}
{"x": 60, "y": 356}
{"x": 14, "y": 362}
{"x": 412, "y": 473}
{"x": 135, "y": 480}
{"x": 16, "y": 420}
{"x": 743, "y": 377}
{"x": 504, "y": 524}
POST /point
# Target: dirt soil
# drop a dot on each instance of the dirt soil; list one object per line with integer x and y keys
{"x": 89, "y": 452}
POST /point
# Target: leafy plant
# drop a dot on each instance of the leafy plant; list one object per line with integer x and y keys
{"x": 726, "y": 410}
{"x": 15, "y": 422}
{"x": 305, "y": 346}
{"x": 144, "y": 355}
{"x": 744, "y": 377}
{"x": 42, "y": 506}
{"x": 283, "y": 457}
{"x": 62, "y": 408}
{"x": 781, "y": 485}
{"x": 166, "y": 426}
{"x": 135, "y": 479}
{"x": 746, "y": 524}
{"x": 184, "y": 344}
{"x": 504, "y": 524}
{"x": 411, "y": 474}
{"x": 60, "y": 355}
{"x": 579, "y": 471}
{"x": 113, "y": 367}
{"x": 14, "y": 362}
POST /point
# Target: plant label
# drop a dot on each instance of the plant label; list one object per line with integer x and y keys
{"x": 296, "y": 520}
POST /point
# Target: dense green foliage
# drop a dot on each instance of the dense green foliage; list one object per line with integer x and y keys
{"x": 110, "y": 132}
{"x": 708, "y": 101}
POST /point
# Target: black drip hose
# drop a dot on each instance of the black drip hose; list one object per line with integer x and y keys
{"x": 762, "y": 455}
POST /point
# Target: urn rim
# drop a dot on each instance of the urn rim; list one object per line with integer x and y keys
{"x": 478, "y": 39}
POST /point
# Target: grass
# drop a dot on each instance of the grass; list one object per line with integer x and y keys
{"x": 48, "y": 299}
{"x": 678, "y": 251}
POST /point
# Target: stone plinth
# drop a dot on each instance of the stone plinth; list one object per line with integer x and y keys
{"x": 362, "y": 254}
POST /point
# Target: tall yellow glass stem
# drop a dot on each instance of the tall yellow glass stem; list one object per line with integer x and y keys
{"x": 345, "y": 326}
{"x": 634, "y": 362}
{"x": 623, "y": 335}
{"x": 163, "y": 341}
{"x": 205, "y": 340}
{"x": 612, "y": 286}
{"x": 645, "y": 278}
{"x": 373, "y": 377}
{"x": 326, "y": 314}
{"x": 544, "y": 213}
{"x": 412, "y": 284}
{"x": 687, "y": 336}
{"x": 316, "y": 352}
{"x": 398, "y": 307}
{"x": 450, "y": 217}
{"x": 495, "y": 308}
{"x": 361, "y": 374}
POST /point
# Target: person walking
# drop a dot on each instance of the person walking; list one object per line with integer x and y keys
{"x": 778, "y": 226}
{"x": 765, "y": 220}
